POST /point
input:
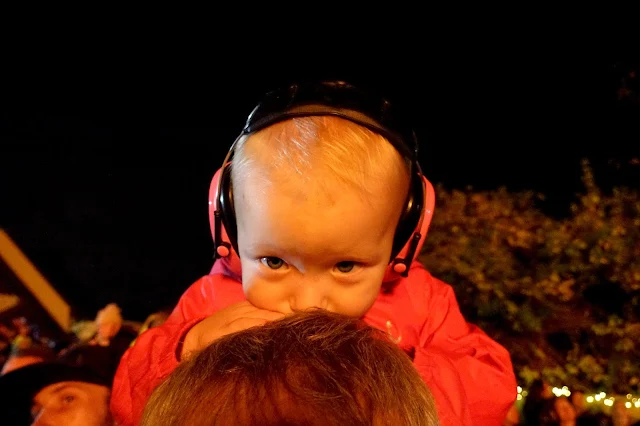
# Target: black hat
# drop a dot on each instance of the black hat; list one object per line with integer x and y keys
{"x": 90, "y": 364}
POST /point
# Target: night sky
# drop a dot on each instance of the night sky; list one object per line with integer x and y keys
{"x": 105, "y": 166}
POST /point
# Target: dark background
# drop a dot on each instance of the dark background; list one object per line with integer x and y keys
{"x": 106, "y": 154}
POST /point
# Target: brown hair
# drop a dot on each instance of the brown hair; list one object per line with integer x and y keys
{"x": 310, "y": 368}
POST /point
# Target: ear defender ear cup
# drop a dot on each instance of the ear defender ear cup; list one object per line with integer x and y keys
{"x": 226, "y": 208}
{"x": 410, "y": 216}
{"x": 413, "y": 240}
{"x": 222, "y": 218}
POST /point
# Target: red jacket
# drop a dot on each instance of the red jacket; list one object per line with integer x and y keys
{"x": 470, "y": 375}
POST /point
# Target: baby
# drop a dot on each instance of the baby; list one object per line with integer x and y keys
{"x": 321, "y": 203}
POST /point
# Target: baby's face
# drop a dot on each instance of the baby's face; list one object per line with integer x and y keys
{"x": 305, "y": 245}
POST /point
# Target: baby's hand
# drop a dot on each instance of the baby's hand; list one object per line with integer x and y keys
{"x": 236, "y": 317}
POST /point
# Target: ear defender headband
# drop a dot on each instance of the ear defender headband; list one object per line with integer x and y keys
{"x": 343, "y": 100}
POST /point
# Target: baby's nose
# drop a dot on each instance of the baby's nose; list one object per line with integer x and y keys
{"x": 309, "y": 294}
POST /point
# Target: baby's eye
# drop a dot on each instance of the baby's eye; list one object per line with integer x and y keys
{"x": 346, "y": 266}
{"x": 68, "y": 399}
{"x": 272, "y": 262}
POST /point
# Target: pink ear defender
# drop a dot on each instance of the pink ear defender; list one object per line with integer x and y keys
{"x": 223, "y": 251}
{"x": 399, "y": 266}
{"x": 223, "y": 248}
{"x": 339, "y": 99}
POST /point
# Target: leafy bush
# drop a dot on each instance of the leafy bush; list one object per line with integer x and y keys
{"x": 562, "y": 294}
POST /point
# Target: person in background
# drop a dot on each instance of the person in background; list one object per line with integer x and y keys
{"x": 108, "y": 322}
{"x": 513, "y": 417}
{"x": 71, "y": 390}
{"x": 538, "y": 393}
{"x": 620, "y": 414}
{"x": 556, "y": 411}
{"x": 584, "y": 417}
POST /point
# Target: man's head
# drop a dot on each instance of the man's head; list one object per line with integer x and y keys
{"x": 513, "y": 416}
{"x": 579, "y": 402}
{"x": 310, "y": 368}
{"x": 71, "y": 390}
{"x": 72, "y": 403}
{"x": 620, "y": 413}
{"x": 317, "y": 202}
{"x": 565, "y": 411}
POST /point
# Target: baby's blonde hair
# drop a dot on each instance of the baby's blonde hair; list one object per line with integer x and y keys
{"x": 352, "y": 154}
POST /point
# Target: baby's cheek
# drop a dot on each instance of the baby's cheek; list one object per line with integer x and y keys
{"x": 356, "y": 302}
{"x": 250, "y": 285}
{"x": 352, "y": 308}
{"x": 261, "y": 294}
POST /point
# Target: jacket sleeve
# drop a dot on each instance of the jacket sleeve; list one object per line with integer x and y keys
{"x": 153, "y": 356}
{"x": 470, "y": 374}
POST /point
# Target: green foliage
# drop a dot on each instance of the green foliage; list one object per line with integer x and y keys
{"x": 563, "y": 295}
